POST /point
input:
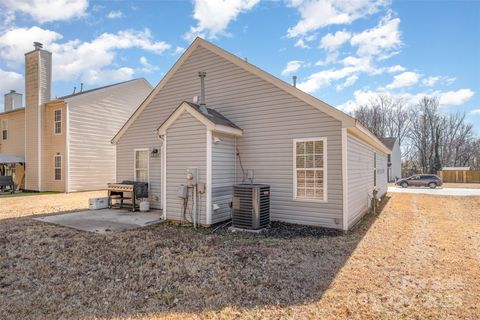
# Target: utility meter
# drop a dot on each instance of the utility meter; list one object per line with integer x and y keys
{"x": 192, "y": 174}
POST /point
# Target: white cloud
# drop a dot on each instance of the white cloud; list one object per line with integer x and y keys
{"x": 446, "y": 98}
{"x": 10, "y": 81}
{"x": 15, "y": 42}
{"x": 351, "y": 66}
{"x": 330, "y": 58}
{"x": 44, "y": 11}
{"x": 405, "y": 79}
{"x": 301, "y": 44}
{"x": 395, "y": 69}
{"x": 292, "y": 67}
{"x": 380, "y": 40}
{"x": 213, "y": 16}
{"x": 332, "y": 42}
{"x": 117, "y": 14}
{"x": 455, "y": 98}
{"x": 475, "y": 111}
{"x": 91, "y": 62}
{"x": 107, "y": 76}
{"x": 179, "y": 50}
{"x": 147, "y": 67}
{"x": 316, "y": 14}
{"x": 431, "y": 81}
{"x": 348, "y": 83}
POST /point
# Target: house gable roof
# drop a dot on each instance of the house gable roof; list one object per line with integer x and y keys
{"x": 213, "y": 120}
{"x": 389, "y": 142}
{"x": 347, "y": 121}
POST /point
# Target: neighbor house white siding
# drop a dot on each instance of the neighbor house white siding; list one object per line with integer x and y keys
{"x": 396, "y": 159}
{"x": 186, "y": 148}
{"x": 270, "y": 118}
{"x": 360, "y": 177}
{"x": 93, "y": 119}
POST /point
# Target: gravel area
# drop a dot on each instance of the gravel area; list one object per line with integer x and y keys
{"x": 441, "y": 191}
{"x": 418, "y": 259}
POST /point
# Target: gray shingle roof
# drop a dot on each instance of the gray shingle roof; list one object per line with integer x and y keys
{"x": 389, "y": 142}
{"x": 214, "y": 116}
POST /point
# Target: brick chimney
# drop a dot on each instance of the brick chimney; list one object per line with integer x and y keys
{"x": 38, "y": 85}
{"x": 13, "y": 100}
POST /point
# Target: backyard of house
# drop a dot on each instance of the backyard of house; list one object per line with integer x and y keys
{"x": 419, "y": 258}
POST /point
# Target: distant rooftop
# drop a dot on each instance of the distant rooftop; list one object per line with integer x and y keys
{"x": 389, "y": 142}
{"x": 95, "y": 89}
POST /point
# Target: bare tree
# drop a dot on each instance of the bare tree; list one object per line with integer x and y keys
{"x": 429, "y": 138}
{"x": 385, "y": 116}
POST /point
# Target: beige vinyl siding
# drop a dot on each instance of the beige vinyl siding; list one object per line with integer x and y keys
{"x": 53, "y": 144}
{"x": 360, "y": 162}
{"x": 270, "y": 117}
{"x": 15, "y": 144}
{"x": 223, "y": 176}
{"x": 38, "y": 65}
{"x": 94, "y": 118}
{"x": 186, "y": 148}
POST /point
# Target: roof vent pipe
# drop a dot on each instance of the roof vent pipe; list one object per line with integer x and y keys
{"x": 38, "y": 45}
{"x": 294, "y": 78}
{"x": 81, "y": 87}
{"x": 203, "y": 106}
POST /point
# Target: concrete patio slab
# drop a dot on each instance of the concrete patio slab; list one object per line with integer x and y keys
{"x": 104, "y": 220}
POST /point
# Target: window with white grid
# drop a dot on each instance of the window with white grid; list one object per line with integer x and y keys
{"x": 57, "y": 115}
{"x": 141, "y": 165}
{"x": 58, "y": 167}
{"x": 310, "y": 169}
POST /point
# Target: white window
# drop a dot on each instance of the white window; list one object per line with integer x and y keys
{"x": 310, "y": 163}
{"x": 4, "y": 129}
{"x": 141, "y": 165}
{"x": 57, "y": 119}
{"x": 58, "y": 167}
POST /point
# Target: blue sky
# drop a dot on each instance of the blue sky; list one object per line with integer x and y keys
{"x": 343, "y": 53}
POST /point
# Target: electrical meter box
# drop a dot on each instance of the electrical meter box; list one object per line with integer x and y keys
{"x": 182, "y": 191}
{"x": 192, "y": 176}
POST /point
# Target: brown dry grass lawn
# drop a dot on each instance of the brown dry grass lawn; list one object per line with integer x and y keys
{"x": 418, "y": 259}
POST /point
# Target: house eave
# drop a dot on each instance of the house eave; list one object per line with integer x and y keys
{"x": 364, "y": 134}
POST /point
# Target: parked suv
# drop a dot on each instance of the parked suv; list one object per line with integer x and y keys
{"x": 420, "y": 180}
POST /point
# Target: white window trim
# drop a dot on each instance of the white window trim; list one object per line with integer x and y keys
{"x": 4, "y": 127}
{"x": 135, "y": 164}
{"x": 55, "y": 122}
{"x": 55, "y": 167}
{"x": 325, "y": 170}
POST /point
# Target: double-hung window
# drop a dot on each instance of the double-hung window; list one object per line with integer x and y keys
{"x": 141, "y": 165}
{"x": 58, "y": 167}
{"x": 4, "y": 129}
{"x": 57, "y": 120}
{"x": 310, "y": 173}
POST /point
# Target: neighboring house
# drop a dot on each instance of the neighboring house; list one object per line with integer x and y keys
{"x": 394, "y": 158}
{"x": 322, "y": 165}
{"x": 64, "y": 143}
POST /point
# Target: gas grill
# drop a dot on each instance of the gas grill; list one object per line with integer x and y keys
{"x": 126, "y": 194}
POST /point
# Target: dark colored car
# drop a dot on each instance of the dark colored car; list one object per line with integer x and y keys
{"x": 420, "y": 180}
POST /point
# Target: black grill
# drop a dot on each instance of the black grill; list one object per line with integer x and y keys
{"x": 251, "y": 206}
